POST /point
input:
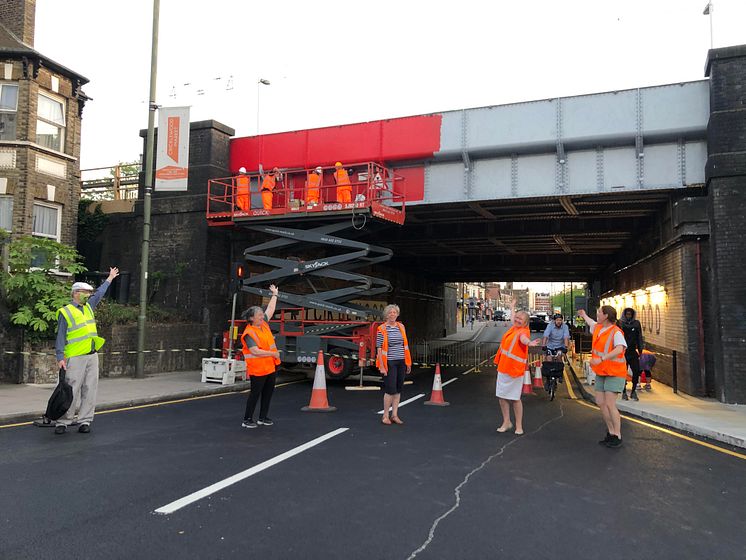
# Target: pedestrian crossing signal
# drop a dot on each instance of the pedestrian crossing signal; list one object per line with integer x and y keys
{"x": 238, "y": 273}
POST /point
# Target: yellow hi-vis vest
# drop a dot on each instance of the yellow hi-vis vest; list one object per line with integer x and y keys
{"x": 81, "y": 330}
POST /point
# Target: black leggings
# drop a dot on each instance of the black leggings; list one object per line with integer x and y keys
{"x": 633, "y": 361}
{"x": 393, "y": 381}
{"x": 264, "y": 386}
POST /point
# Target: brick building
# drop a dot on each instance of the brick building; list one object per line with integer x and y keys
{"x": 41, "y": 103}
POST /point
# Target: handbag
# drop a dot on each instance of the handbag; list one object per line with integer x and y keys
{"x": 61, "y": 399}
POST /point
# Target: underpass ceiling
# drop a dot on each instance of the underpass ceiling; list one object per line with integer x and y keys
{"x": 557, "y": 238}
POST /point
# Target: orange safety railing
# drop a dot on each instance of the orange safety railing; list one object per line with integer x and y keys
{"x": 239, "y": 198}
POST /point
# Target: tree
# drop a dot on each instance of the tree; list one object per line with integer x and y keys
{"x": 566, "y": 301}
{"x": 33, "y": 284}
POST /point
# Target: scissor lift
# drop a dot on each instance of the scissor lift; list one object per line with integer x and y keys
{"x": 316, "y": 306}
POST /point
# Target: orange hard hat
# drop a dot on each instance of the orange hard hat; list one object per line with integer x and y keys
{"x": 338, "y": 164}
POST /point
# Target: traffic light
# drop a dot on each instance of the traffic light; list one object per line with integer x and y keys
{"x": 238, "y": 273}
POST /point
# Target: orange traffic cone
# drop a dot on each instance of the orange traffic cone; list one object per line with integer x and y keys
{"x": 436, "y": 397}
{"x": 527, "y": 383}
{"x": 538, "y": 381}
{"x": 319, "y": 402}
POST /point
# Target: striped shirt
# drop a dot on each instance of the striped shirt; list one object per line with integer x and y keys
{"x": 396, "y": 342}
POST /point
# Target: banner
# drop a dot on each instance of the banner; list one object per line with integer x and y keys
{"x": 172, "y": 152}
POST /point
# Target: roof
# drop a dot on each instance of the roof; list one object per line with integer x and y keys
{"x": 12, "y": 47}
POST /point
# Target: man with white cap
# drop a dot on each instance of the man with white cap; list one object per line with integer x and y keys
{"x": 76, "y": 349}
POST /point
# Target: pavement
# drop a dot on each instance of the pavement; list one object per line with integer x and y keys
{"x": 184, "y": 480}
{"x": 699, "y": 416}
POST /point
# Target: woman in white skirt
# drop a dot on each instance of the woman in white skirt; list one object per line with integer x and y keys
{"x": 511, "y": 359}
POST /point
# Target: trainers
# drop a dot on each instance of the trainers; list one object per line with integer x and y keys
{"x": 614, "y": 442}
{"x": 248, "y": 424}
{"x": 624, "y": 396}
{"x": 633, "y": 396}
{"x": 648, "y": 388}
{"x": 605, "y": 440}
{"x": 60, "y": 429}
{"x": 265, "y": 422}
{"x": 85, "y": 429}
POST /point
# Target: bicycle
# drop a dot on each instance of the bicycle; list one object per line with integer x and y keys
{"x": 552, "y": 369}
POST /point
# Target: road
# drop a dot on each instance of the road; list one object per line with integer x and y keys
{"x": 444, "y": 485}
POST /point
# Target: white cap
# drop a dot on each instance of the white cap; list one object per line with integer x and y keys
{"x": 242, "y": 170}
{"x": 318, "y": 170}
{"x": 82, "y": 287}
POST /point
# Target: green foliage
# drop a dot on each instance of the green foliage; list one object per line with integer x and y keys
{"x": 90, "y": 224}
{"x": 126, "y": 169}
{"x": 564, "y": 299}
{"x": 111, "y": 313}
{"x": 31, "y": 287}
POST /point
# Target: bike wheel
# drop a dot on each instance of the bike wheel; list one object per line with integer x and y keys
{"x": 552, "y": 388}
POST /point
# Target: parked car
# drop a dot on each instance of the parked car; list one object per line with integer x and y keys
{"x": 499, "y": 315}
{"x": 536, "y": 323}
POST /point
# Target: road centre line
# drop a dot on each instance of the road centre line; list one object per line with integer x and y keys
{"x": 407, "y": 401}
{"x": 238, "y": 477}
{"x": 449, "y": 381}
{"x": 162, "y": 403}
{"x": 672, "y": 433}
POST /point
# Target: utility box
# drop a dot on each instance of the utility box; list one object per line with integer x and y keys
{"x": 222, "y": 370}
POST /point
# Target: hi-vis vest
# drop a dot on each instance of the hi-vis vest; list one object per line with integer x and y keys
{"x": 268, "y": 184}
{"x": 81, "y": 330}
{"x": 242, "y": 193}
{"x": 603, "y": 343}
{"x": 382, "y": 363}
{"x": 314, "y": 181}
{"x": 343, "y": 179}
{"x": 262, "y": 336}
{"x": 512, "y": 355}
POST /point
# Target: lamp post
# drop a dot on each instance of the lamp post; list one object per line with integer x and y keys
{"x": 260, "y": 82}
{"x": 147, "y": 195}
{"x": 708, "y": 12}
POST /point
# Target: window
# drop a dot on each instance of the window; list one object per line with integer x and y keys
{"x": 46, "y": 224}
{"x": 6, "y": 212}
{"x": 8, "y": 108}
{"x": 50, "y": 125}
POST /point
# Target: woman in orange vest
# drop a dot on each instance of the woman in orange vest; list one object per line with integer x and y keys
{"x": 314, "y": 186}
{"x": 511, "y": 360}
{"x": 268, "y": 185}
{"x": 610, "y": 367}
{"x": 394, "y": 361}
{"x": 242, "y": 191}
{"x": 344, "y": 187}
{"x": 262, "y": 357}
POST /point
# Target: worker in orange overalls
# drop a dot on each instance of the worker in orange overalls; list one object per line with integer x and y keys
{"x": 344, "y": 187}
{"x": 314, "y": 187}
{"x": 268, "y": 185}
{"x": 243, "y": 200}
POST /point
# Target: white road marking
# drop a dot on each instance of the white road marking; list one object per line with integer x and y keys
{"x": 449, "y": 381}
{"x": 191, "y": 498}
{"x": 407, "y": 401}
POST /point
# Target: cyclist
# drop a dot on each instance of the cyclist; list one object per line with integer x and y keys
{"x": 556, "y": 339}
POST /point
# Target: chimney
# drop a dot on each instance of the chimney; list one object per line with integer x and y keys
{"x": 19, "y": 16}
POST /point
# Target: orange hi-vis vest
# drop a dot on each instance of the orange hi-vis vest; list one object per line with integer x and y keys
{"x": 314, "y": 182}
{"x": 382, "y": 361}
{"x": 268, "y": 184}
{"x": 242, "y": 193}
{"x": 603, "y": 343}
{"x": 343, "y": 179}
{"x": 512, "y": 356}
{"x": 262, "y": 336}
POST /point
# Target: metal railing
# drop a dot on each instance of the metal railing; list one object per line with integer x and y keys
{"x": 116, "y": 182}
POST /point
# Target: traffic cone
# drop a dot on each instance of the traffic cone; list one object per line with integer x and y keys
{"x": 436, "y": 397}
{"x": 319, "y": 402}
{"x": 538, "y": 381}
{"x": 527, "y": 390}
{"x": 643, "y": 377}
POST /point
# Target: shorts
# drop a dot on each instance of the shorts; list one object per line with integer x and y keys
{"x": 610, "y": 384}
{"x": 393, "y": 381}
{"x": 508, "y": 388}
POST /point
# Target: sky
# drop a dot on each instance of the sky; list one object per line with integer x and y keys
{"x": 332, "y": 62}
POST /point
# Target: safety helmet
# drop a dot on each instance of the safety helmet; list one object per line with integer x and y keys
{"x": 242, "y": 170}
{"x": 318, "y": 170}
{"x": 558, "y": 316}
{"x": 338, "y": 164}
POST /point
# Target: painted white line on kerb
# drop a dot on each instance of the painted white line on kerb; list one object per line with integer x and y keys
{"x": 191, "y": 498}
{"x": 449, "y": 381}
{"x": 407, "y": 401}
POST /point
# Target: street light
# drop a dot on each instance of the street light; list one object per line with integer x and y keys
{"x": 261, "y": 82}
{"x": 708, "y": 12}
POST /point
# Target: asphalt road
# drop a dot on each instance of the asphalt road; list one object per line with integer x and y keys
{"x": 445, "y": 484}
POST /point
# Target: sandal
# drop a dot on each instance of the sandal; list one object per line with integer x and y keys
{"x": 386, "y": 421}
{"x": 503, "y": 430}
{"x": 397, "y": 420}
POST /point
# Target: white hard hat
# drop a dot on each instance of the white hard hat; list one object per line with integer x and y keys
{"x": 242, "y": 170}
{"x": 82, "y": 287}
{"x": 318, "y": 170}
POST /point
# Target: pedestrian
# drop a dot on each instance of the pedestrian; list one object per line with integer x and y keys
{"x": 262, "y": 358}
{"x": 394, "y": 361}
{"x": 647, "y": 362}
{"x": 243, "y": 196}
{"x": 314, "y": 187}
{"x": 610, "y": 367}
{"x": 77, "y": 349}
{"x": 632, "y": 330}
{"x": 269, "y": 181}
{"x": 344, "y": 186}
{"x": 511, "y": 360}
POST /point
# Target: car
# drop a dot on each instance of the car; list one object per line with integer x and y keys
{"x": 536, "y": 323}
{"x": 499, "y": 315}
